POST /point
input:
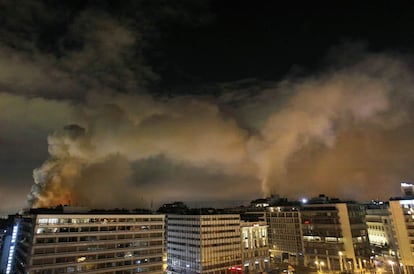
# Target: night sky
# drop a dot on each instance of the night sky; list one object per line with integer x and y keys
{"x": 137, "y": 103}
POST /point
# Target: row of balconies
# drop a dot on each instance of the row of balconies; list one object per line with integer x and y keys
{"x": 41, "y": 219}
{"x": 138, "y": 234}
{"x": 101, "y": 253}
{"x": 100, "y": 235}
{"x": 139, "y": 251}
{"x": 150, "y": 242}
{"x": 96, "y": 258}
{"x": 56, "y": 229}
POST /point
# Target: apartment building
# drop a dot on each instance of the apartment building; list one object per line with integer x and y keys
{"x": 115, "y": 243}
{"x": 285, "y": 234}
{"x": 402, "y": 217}
{"x": 335, "y": 236}
{"x": 204, "y": 243}
{"x": 380, "y": 232}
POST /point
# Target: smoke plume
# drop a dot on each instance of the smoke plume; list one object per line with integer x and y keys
{"x": 324, "y": 117}
{"x": 370, "y": 96}
{"x": 115, "y": 131}
{"x": 79, "y": 76}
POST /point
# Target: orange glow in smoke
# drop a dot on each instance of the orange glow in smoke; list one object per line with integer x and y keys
{"x": 54, "y": 199}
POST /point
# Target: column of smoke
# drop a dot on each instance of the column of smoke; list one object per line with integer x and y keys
{"x": 367, "y": 95}
{"x": 117, "y": 130}
{"x": 55, "y": 179}
{"x": 90, "y": 163}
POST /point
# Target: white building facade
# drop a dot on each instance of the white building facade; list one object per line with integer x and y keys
{"x": 203, "y": 243}
{"x": 255, "y": 247}
{"x": 380, "y": 232}
{"x": 402, "y": 215}
{"x": 89, "y": 243}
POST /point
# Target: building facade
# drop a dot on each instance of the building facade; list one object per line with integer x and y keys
{"x": 285, "y": 234}
{"x": 9, "y": 247}
{"x": 380, "y": 232}
{"x": 335, "y": 236}
{"x": 255, "y": 247}
{"x": 402, "y": 216}
{"x": 204, "y": 243}
{"x": 89, "y": 243}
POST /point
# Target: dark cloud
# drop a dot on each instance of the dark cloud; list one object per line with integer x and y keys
{"x": 24, "y": 126}
{"x": 64, "y": 50}
{"x": 174, "y": 180}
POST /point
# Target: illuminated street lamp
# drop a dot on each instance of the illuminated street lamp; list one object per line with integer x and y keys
{"x": 392, "y": 266}
{"x": 341, "y": 263}
{"x": 319, "y": 265}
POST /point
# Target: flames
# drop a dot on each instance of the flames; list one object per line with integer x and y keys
{"x": 58, "y": 197}
{"x": 54, "y": 183}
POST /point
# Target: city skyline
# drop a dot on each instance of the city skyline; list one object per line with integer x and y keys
{"x": 144, "y": 101}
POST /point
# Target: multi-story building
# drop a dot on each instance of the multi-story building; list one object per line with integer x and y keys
{"x": 56, "y": 242}
{"x": 380, "y": 231}
{"x": 402, "y": 217}
{"x": 5, "y": 241}
{"x": 4, "y": 224}
{"x": 9, "y": 246}
{"x": 285, "y": 234}
{"x": 255, "y": 248}
{"x": 335, "y": 236}
{"x": 204, "y": 243}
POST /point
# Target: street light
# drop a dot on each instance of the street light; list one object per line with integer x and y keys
{"x": 392, "y": 266}
{"x": 341, "y": 263}
{"x": 319, "y": 265}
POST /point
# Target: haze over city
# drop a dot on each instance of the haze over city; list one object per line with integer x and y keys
{"x": 107, "y": 104}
